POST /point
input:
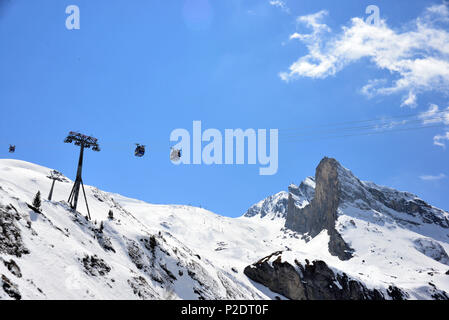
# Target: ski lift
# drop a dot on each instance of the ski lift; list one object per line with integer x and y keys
{"x": 175, "y": 154}
{"x": 12, "y": 148}
{"x": 140, "y": 150}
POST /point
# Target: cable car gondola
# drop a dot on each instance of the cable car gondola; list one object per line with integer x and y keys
{"x": 12, "y": 148}
{"x": 175, "y": 154}
{"x": 140, "y": 150}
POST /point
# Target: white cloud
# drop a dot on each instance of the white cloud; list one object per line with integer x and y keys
{"x": 417, "y": 60}
{"x": 439, "y": 140}
{"x": 313, "y": 21}
{"x": 433, "y": 178}
{"x": 370, "y": 88}
{"x": 439, "y": 12}
{"x": 280, "y": 4}
{"x": 410, "y": 100}
{"x": 435, "y": 115}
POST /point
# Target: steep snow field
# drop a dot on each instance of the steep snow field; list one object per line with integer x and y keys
{"x": 181, "y": 252}
{"x": 213, "y": 247}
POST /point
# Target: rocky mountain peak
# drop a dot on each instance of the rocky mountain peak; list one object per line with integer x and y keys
{"x": 276, "y": 206}
{"x": 374, "y": 227}
{"x": 321, "y": 212}
{"x": 337, "y": 189}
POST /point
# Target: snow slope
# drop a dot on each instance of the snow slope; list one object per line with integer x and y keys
{"x": 180, "y": 252}
{"x": 204, "y": 252}
{"x": 397, "y": 238}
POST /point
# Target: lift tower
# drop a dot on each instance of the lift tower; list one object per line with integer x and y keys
{"x": 83, "y": 142}
{"x": 55, "y": 176}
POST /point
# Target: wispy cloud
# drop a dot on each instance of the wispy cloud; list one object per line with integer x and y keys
{"x": 436, "y": 116}
{"x": 280, "y": 4}
{"x": 439, "y": 140}
{"x": 433, "y": 178}
{"x": 417, "y": 60}
{"x": 409, "y": 100}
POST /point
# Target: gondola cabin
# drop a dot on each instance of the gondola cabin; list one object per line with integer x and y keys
{"x": 140, "y": 150}
{"x": 175, "y": 154}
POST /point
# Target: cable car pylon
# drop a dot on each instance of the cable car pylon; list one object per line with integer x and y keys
{"x": 55, "y": 176}
{"x": 87, "y": 142}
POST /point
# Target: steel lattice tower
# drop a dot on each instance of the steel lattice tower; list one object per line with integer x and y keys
{"x": 83, "y": 142}
{"x": 55, "y": 176}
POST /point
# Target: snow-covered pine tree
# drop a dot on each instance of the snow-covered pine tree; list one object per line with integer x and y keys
{"x": 37, "y": 200}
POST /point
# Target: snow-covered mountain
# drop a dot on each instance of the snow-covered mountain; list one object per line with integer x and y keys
{"x": 391, "y": 243}
{"x": 333, "y": 236}
{"x": 276, "y": 206}
{"x": 147, "y": 251}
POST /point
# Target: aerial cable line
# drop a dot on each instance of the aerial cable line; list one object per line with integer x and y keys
{"x": 364, "y": 133}
{"x": 366, "y": 120}
{"x": 378, "y": 126}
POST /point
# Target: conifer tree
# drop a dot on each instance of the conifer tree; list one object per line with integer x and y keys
{"x": 37, "y": 200}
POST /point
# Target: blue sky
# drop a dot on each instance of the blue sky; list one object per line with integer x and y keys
{"x": 136, "y": 70}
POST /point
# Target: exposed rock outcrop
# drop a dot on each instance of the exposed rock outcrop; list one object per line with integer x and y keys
{"x": 10, "y": 288}
{"x": 10, "y": 235}
{"x": 95, "y": 266}
{"x": 12, "y": 267}
{"x": 141, "y": 288}
{"x": 276, "y": 206}
{"x": 312, "y": 281}
{"x": 321, "y": 213}
{"x": 432, "y": 249}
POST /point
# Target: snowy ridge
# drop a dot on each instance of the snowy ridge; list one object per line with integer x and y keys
{"x": 146, "y": 252}
{"x": 180, "y": 252}
{"x": 398, "y": 239}
{"x": 275, "y": 206}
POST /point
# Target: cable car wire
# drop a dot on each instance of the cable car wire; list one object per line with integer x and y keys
{"x": 361, "y": 128}
{"x": 367, "y": 120}
{"x": 365, "y": 133}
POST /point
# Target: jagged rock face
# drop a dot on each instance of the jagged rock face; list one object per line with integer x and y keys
{"x": 12, "y": 267}
{"x": 338, "y": 190}
{"x": 432, "y": 249}
{"x": 321, "y": 213}
{"x": 10, "y": 235}
{"x": 273, "y": 206}
{"x": 276, "y": 206}
{"x": 370, "y": 196}
{"x": 314, "y": 281}
{"x": 95, "y": 266}
{"x": 10, "y": 288}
